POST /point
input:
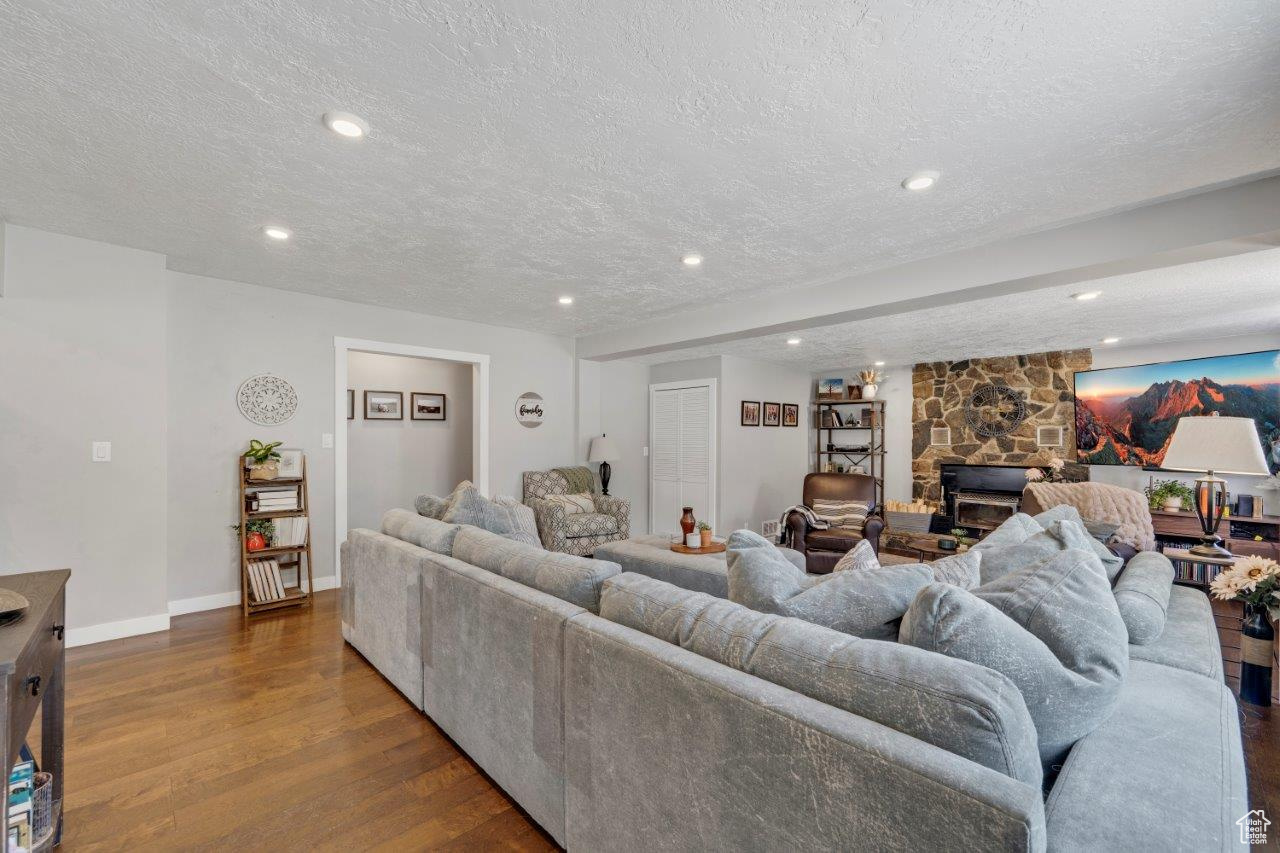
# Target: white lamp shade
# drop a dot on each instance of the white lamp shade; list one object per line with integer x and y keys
{"x": 603, "y": 450}
{"x": 1220, "y": 445}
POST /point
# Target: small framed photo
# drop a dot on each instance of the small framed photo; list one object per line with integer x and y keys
{"x": 772, "y": 414}
{"x": 831, "y": 389}
{"x": 290, "y": 465}
{"x": 750, "y": 413}
{"x": 383, "y": 406}
{"x": 427, "y": 406}
{"x": 351, "y": 404}
{"x": 791, "y": 414}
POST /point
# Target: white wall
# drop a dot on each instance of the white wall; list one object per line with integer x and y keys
{"x": 391, "y": 462}
{"x": 98, "y": 342}
{"x": 82, "y": 358}
{"x": 761, "y": 468}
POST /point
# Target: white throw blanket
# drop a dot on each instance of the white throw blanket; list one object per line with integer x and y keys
{"x": 814, "y": 521}
{"x": 1103, "y": 502}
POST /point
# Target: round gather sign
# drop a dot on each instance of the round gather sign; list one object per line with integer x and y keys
{"x": 529, "y": 410}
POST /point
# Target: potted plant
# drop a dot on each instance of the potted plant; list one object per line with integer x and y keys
{"x": 1256, "y": 582}
{"x": 704, "y": 534}
{"x": 261, "y": 460}
{"x": 870, "y": 383}
{"x": 1169, "y": 495}
{"x": 259, "y": 533}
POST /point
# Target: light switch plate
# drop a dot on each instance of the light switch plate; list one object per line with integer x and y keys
{"x": 326, "y": 439}
{"x": 646, "y": 451}
{"x": 101, "y": 451}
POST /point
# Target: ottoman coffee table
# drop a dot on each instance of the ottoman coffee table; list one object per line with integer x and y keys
{"x": 651, "y": 555}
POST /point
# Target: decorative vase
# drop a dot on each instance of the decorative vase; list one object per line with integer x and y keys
{"x": 869, "y": 391}
{"x": 264, "y": 471}
{"x": 705, "y": 536}
{"x": 1257, "y": 638}
{"x": 687, "y": 521}
{"x": 1172, "y": 504}
{"x": 255, "y": 542}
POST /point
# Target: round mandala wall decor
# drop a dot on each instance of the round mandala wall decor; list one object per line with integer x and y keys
{"x": 267, "y": 400}
{"x": 994, "y": 410}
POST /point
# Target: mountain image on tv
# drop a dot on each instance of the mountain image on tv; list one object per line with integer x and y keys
{"x": 1126, "y": 415}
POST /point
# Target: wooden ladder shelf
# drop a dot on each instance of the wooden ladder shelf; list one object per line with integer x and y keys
{"x": 290, "y": 559}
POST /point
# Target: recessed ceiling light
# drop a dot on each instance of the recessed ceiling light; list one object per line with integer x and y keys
{"x": 345, "y": 124}
{"x": 1086, "y": 296}
{"x": 566, "y": 300}
{"x": 1111, "y": 340}
{"x": 275, "y": 232}
{"x": 921, "y": 181}
{"x": 879, "y": 364}
{"x": 795, "y": 342}
{"x": 691, "y": 260}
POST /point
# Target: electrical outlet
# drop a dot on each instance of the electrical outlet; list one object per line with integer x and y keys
{"x": 326, "y": 439}
{"x": 101, "y": 452}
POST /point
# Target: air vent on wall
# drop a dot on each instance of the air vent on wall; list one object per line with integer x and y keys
{"x": 940, "y": 435}
{"x": 1049, "y": 436}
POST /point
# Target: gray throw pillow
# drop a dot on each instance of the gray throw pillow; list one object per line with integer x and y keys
{"x": 1053, "y": 628}
{"x": 1066, "y": 512}
{"x": 521, "y": 521}
{"x": 426, "y": 533}
{"x": 958, "y": 706}
{"x": 962, "y": 569}
{"x": 431, "y": 506}
{"x": 998, "y": 560}
{"x": 863, "y": 603}
{"x": 1142, "y": 594}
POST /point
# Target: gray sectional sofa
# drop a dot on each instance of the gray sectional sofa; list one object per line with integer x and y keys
{"x": 623, "y": 713}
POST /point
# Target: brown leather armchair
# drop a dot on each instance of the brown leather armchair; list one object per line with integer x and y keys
{"x": 822, "y": 549}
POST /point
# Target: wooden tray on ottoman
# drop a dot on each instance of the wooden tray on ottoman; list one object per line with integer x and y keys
{"x": 713, "y": 548}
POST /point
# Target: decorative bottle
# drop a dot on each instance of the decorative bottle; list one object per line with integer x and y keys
{"x": 1257, "y": 638}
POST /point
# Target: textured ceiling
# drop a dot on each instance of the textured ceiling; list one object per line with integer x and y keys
{"x": 1238, "y": 295}
{"x": 521, "y": 150}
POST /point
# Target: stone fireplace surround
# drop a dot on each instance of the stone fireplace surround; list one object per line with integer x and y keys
{"x": 939, "y": 391}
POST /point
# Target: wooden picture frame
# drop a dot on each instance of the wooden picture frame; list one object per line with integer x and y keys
{"x": 791, "y": 414}
{"x": 351, "y": 404}
{"x": 772, "y": 414}
{"x": 428, "y": 406}
{"x": 393, "y": 401}
{"x": 751, "y": 413}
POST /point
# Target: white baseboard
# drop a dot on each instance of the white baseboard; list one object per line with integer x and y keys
{"x": 160, "y": 622}
{"x": 116, "y": 630}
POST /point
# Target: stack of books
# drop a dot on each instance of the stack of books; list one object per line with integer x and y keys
{"x": 264, "y": 581}
{"x": 276, "y": 500}
{"x": 290, "y": 532}
{"x": 21, "y": 788}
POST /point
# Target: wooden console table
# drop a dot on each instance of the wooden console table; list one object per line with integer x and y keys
{"x": 33, "y": 664}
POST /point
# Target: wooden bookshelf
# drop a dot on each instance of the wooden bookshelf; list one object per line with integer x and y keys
{"x": 290, "y": 558}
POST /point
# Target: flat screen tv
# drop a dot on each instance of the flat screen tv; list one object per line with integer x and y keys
{"x": 1126, "y": 415}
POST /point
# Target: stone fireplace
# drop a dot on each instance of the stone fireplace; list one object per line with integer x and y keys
{"x": 1044, "y": 382}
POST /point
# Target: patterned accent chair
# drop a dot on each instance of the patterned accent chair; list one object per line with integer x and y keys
{"x": 579, "y": 533}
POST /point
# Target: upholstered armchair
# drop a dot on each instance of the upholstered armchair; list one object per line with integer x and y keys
{"x": 578, "y": 532}
{"x": 822, "y": 549}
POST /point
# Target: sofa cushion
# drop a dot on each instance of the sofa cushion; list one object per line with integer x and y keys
{"x": 961, "y": 569}
{"x": 424, "y": 532}
{"x": 1053, "y": 628}
{"x": 1005, "y": 555}
{"x": 1171, "y": 732}
{"x": 1066, "y": 512}
{"x": 849, "y": 515}
{"x": 521, "y": 520}
{"x": 1189, "y": 640}
{"x": 835, "y": 539}
{"x": 504, "y": 516}
{"x": 573, "y": 579}
{"x": 865, "y": 604}
{"x": 589, "y": 524}
{"x": 966, "y": 709}
{"x": 1142, "y": 594}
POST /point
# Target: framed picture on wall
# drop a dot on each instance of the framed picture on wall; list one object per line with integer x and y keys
{"x": 791, "y": 414}
{"x": 351, "y": 404}
{"x": 290, "y": 465}
{"x": 772, "y": 414}
{"x": 427, "y": 406}
{"x": 751, "y": 413}
{"x": 831, "y": 389}
{"x": 383, "y": 406}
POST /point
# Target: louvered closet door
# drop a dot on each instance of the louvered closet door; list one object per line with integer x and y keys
{"x": 681, "y": 453}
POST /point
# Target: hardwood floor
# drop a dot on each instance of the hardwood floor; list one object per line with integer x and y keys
{"x": 275, "y": 736}
{"x": 278, "y": 736}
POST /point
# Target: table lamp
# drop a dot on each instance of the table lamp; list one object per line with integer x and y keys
{"x": 1215, "y": 445}
{"x": 602, "y": 450}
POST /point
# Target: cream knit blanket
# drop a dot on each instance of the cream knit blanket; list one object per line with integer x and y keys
{"x": 1103, "y": 502}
